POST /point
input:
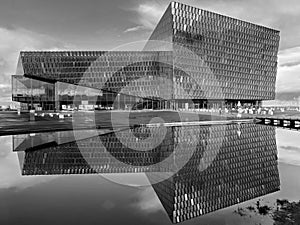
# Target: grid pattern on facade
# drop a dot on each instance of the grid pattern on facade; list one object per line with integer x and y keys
{"x": 239, "y": 59}
{"x": 106, "y": 79}
{"x": 111, "y": 71}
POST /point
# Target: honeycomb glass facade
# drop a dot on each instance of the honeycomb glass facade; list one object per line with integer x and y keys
{"x": 231, "y": 59}
{"x": 213, "y": 59}
{"x": 103, "y": 80}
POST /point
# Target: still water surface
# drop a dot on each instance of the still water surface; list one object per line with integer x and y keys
{"x": 53, "y": 179}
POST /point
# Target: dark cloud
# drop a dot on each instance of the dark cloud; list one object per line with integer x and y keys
{"x": 290, "y": 148}
{"x": 291, "y": 64}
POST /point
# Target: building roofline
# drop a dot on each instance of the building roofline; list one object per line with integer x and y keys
{"x": 248, "y": 22}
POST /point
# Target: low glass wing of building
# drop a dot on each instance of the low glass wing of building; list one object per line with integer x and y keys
{"x": 33, "y": 93}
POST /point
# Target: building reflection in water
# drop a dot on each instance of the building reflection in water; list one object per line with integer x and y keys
{"x": 228, "y": 164}
{"x": 244, "y": 168}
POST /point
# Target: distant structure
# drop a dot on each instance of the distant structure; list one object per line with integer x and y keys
{"x": 4, "y": 107}
{"x": 214, "y": 61}
{"x": 295, "y": 103}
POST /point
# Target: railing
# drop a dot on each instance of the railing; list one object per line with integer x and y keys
{"x": 291, "y": 123}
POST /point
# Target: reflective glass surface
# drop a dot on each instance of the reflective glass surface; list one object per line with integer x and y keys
{"x": 38, "y": 94}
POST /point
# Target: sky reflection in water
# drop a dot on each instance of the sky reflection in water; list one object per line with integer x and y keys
{"x": 90, "y": 199}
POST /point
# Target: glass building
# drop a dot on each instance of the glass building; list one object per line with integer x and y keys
{"x": 214, "y": 61}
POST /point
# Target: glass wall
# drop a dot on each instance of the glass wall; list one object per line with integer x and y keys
{"x": 73, "y": 97}
{"x": 40, "y": 95}
{"x": 37, "y": 94}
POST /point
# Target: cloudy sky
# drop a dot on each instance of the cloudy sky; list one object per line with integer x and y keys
{"x": 104, "y": 25}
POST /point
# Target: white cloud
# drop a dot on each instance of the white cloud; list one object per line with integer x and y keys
{"x": 4, "y": 86}
{"x": 10, "y": 172}
{"x": 288, "y": 76}
{"x": 288, "y": 149}
{"x": 149, "y": 14}
{"x": 12, "y": 41}
{"x": 148, "y": 201}
{"x": 290, "y": 55}
{"x": 133, "y": 29}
